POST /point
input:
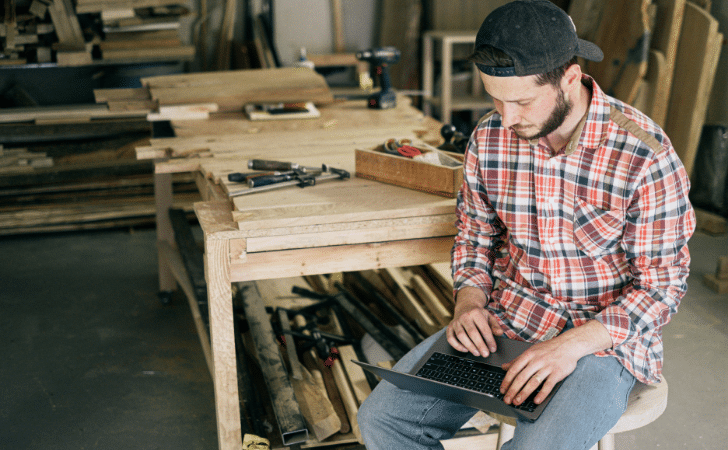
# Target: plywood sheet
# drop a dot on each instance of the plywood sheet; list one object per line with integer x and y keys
{"x": 695, "y": 66}
{"x": 665, "y": 40}
{"x": 648, "y": 98}
{"x": 336, "y": 202}
{"x": 623, "y": 36}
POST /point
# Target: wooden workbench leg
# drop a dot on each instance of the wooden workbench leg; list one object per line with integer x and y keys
{"x": 222, "y": 337}
{"x": 163, "y": 201}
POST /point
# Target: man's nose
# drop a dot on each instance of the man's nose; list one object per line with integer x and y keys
{"x": 510, "y": 115}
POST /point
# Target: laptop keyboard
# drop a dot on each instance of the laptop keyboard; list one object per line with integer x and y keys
{"x": 469, "y": 374}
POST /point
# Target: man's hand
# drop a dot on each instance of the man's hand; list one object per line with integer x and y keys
{"x": 551, "y": 361}
{"x": 472, "y": 327}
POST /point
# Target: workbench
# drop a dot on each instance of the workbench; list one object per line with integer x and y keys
{"x": 386, "y": 234}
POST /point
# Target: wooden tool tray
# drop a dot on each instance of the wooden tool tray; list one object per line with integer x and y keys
{"x": 439, "y": 179}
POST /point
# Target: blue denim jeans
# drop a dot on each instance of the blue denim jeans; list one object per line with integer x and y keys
{"x": 586, "y": 407}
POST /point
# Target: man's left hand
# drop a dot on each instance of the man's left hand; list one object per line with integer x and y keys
{"x": 546, "y": 363}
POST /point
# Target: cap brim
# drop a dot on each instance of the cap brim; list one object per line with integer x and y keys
{"x": 589, "y": 50}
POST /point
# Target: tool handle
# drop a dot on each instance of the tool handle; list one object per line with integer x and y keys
{"x": 269, "y": 179}
{"x": 237, "y": 177}
{"x": 262, "y": 164}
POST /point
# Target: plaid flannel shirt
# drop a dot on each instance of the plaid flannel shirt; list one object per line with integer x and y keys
{"x": 597, "y": 231}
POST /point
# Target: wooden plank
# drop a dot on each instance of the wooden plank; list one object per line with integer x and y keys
{"x": 716, "y": 284}
{"x": 152, "y": 35}
{"x": 314, "y": 363}
{"x": 97, "y": 6}
{"x": 695, "y": 67}
{"x": 315, "y": 406}
{"x": 721, "y": 270}
{"x": 357, "y": 378}
{"x": 71, "y": 58}
{"x": 158, "y": 53}
{"x": 411, "y": 306}
{"x": 285, "y": 263}
{"x": 119, "y": 44}
{"x": 68, "y": 29}
{"x": 233, "y": 89}
{"x": 586, "y": 15}
{"x": 32, "y": 113}
{"x": 709, "y": 222}
{"x": 341, "y": 202}
{"x": 435, "y": 219}
{"x": 119, "y": 94}
{"x": 350, "y": 236}
{"x": 483, "y": 441}
{"x": 623, "y": 36}
{"x": 665, "y": 40}
{"x": 648, "y": 98}
{"x": 188, "y": 112}
{"x": 430, "y": 300}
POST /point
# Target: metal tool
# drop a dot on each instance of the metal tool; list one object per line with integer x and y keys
{"x": 455, "y": 141}
{"x": 300, "y": 180}
{"x": 239, "y": 177}
{"x": 380, "y": 58}
{"x": 264, "y": 164}
{"x": 300, "y": 175}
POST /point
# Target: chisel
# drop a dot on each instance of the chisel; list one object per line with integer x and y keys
{"x": 302, "y": 177}
{"x": 308, "y": 181}
{"x": 263, "y": 164}
{"x": 238, "y": 177}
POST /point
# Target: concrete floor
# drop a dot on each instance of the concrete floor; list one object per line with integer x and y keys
{"x": 90, "y": 359}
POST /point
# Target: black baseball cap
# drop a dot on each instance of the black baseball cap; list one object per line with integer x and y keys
{"x": 537, "y": 35}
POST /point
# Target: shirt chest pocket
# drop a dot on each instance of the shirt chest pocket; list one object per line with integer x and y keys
{"x": 597, "y": 232}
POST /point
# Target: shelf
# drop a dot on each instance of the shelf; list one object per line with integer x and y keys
{"x": 447, "y": 102}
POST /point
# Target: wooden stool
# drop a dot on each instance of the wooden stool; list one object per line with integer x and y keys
{"x": 646, "y": 403}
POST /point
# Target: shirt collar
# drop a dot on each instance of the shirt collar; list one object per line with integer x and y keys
{"x": 593, "y": 129}
{"x": 593, "y": 126}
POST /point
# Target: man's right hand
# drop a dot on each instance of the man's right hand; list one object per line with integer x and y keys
{"x": 473, "y": 327}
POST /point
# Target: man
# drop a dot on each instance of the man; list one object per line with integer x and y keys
{"x": 573, "y": 226}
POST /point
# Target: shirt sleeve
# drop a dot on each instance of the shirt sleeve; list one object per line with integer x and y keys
{"x": 480, "y": 232}
{"x": 659, "y": 222}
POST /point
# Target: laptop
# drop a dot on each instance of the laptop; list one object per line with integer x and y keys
{"x": 464, "y": 378}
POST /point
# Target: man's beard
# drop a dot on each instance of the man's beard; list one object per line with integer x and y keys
{"x": 555, "y": 120}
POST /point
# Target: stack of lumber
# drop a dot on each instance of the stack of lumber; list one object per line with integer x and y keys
{"x": 231, "y": 90}
{"x": 659, "y": 55}
{"x": 65, "y": 177}
{"x": 194, "y": 96}
{"x": 18, "y": 160}
{"x": 140, "y": 30}
{"x": 20, "y": 32}
{"x": 329, "y": 395}
{"x": 43, "y": 31}
{"x": 66, "y": 114}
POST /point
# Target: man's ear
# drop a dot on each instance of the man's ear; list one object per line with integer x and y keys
{"x": 571, "y": 78}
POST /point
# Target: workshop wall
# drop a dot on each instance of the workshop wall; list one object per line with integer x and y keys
{"x": 309, "y": 24}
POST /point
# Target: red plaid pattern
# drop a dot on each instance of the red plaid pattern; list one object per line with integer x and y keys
{"x": 597, "y": 232}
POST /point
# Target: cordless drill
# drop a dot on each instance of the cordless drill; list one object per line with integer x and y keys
{"x": 380, "y": 58}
